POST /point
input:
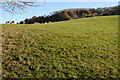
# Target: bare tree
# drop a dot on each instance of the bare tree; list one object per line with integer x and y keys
{"x": 18, "y": 6}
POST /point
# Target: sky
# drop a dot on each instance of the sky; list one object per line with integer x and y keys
{"x": 50, "y": 7}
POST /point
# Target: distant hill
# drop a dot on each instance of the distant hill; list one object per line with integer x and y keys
{"x": 75, "y": 13}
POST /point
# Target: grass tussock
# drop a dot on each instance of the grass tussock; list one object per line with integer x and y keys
{"x": 79, "y": 48}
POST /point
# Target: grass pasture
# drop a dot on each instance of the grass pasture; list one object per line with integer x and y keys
{"x": 80, "y": 48}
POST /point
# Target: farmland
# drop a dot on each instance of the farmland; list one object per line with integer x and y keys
{"x": 80, "y": 48}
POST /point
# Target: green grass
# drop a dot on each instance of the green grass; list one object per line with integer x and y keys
{"x": 78, "y": 48}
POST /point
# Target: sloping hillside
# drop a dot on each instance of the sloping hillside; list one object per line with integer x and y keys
{"x": 78, "y": 48}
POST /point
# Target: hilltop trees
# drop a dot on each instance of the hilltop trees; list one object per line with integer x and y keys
{"x": 81, "y": 12}
{"x": 64, "y": 16}
{"x": 74, "y": 14}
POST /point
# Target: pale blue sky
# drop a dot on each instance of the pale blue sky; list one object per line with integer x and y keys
{"x": 51, "y": 7}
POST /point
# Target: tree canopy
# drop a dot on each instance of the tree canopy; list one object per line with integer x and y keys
{"x": 68, "y": 14}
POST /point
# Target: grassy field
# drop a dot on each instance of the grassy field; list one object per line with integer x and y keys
{"x": 80, "y": 48}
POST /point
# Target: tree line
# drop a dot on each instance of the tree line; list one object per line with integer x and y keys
{"x": 69, "y": 14}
